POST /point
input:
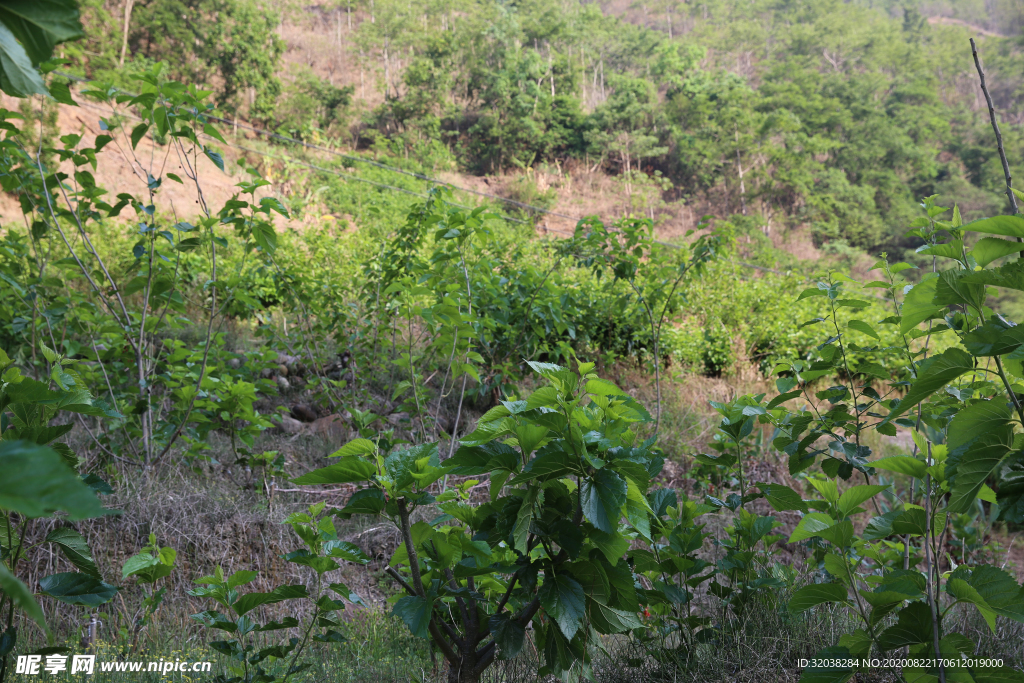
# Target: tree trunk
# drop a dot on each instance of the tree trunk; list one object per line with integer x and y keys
{"x": 464, "y": 673}
{"x": 127, "y": 17}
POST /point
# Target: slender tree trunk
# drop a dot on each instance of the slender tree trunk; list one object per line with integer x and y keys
{"x": 127, "y": 19}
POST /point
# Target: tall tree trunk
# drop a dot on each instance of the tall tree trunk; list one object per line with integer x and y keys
{"x": 127, "y": 18}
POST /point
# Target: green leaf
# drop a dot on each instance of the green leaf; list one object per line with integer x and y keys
{"x": 862, "y": 326}
{"x": 965, "y": 592}
{"x": 994, "y": 338}
{"x": 344, "y": 550}
{"x": 914, "y": 626}
{"x": 356, "y": 447}
{"x": 1008, "y": 276}
{"x": 855, "y": 495}
{"x": 137, "y": 133}
{"x": 940, "y": 371}
{"x": 509, "y": 635}
{"x": 346, "y": 471}
{"x": 912, "y": 521}
{"x": 521, "y": 531}
{"x": 251, "y": 601}
{"x": 917, "y": 304}
{"x": 998, "y": 588}
{"x": 75, "y": 549}
{"x": 810, "y": 525}
{"x": 363, "y": 502}
{"x": 601, "y": 387}
{"x": 264, "y": 236}
{"x": 215, "y": 157}
{"x": 1010, "y": 226}
{"x": 782, "y": 497}
{"x": 76, "y": 588}
{"x": 563, "y": 599}
{"x": 415, "y": 612}
{"x": 989, "y": 249}
{"x": 903, "y": 464}
{"x": 816, "y": 594}
{"x": 975, "y": 466}
{"x": 602, "y": 497}
{"x": 36, "y": 483}
{"x": 18, "y": 77}
{"x": 61, "y": 91}
{"x": 22, "y": 597}
{"x": 841, "y": 533}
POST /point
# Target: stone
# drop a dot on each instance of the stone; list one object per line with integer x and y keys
{"x": 289, "y": 424}
{"x": 333, "y": 428}
{"x": 303, "y": 413}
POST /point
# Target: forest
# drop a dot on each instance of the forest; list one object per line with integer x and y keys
{"x": 485, "y": 341}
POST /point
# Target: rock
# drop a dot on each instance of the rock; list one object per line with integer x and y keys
{"x": 289, "y": 424}
{"x": 235, "y": 363}
{"x": 282, "y": 383}
{"x": 285, "y": 359}
{"x": 333, "y": 428}
{"x": 303, "y": 413}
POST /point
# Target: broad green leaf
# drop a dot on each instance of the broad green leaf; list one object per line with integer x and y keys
{"x": 602, "y": 496}
{"x": 994, "y": 338}
{"x": 863, "y": 327}
{"x": 1008, "y": 276}
{"x": 76, "y": 588}
{"x": 346, "y": 471}
{"x": 855, "y": 495}
{"x": 363, "y": 502}
{"x": 562, "y": 598}
{"x": 940, "y": 371}
{"x": 816, "y": 594}
{"x": 963, "y": 591}
{"x": 917, "y": 304}
{"x": 976, "y": 465}
{"x": 521, "y": 531}
{"x": 782, "y": 497}
{"x": 810, "y": 525}
{"x": 1010, "y": 226}
{"x": 988, "y": 249}
{"x": 251, "y": 601}
{"x": 344, "y": 550}
{"x": 601, "y": 387}
{"x": 18, "y": 77}
{"x": 355, "y": 447}
{"x": 415, "y": 611}
{"x": 914, "y": 626}
{"x": 998, "y": 588}
{"x": 22, "y": 597}
{"x": 36, "y": 483}
{"x": 903, "y": 464}
{"x": 75, "y": 549}
{"x": 841, "y": 533}
{"x": 509, "y": 635}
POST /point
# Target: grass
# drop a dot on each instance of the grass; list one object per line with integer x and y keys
{"x": 211, "y": 521}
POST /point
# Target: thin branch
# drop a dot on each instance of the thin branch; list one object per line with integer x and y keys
{"x": 995, "y": 127}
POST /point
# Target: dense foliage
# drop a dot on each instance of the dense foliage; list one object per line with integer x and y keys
{"x": 153, "y": 335}
{"x": 835, "y": 115}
